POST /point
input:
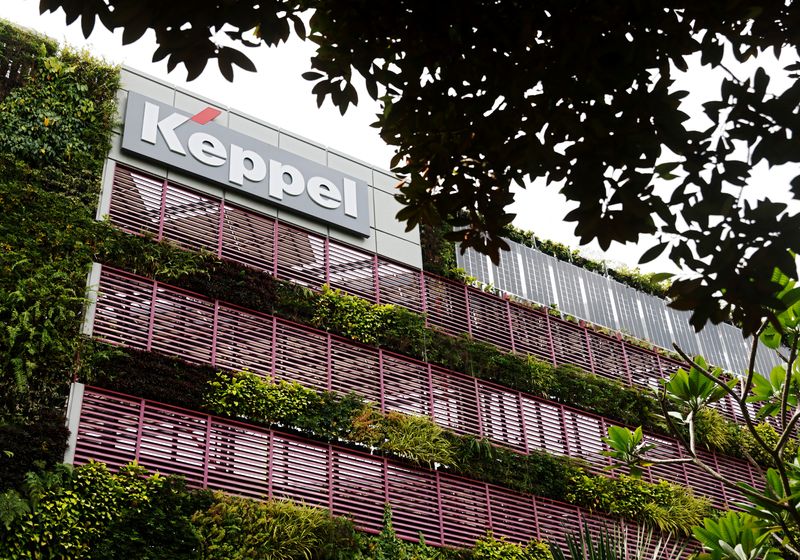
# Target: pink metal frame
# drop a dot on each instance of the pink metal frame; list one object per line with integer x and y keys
{"x": 246, "y": 460}
{"x": 202, "y": 221}
{"x": 140, "y": 313}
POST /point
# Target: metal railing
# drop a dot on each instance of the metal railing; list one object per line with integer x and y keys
{"x": 257, "y": 462}
{"x": 144, "y": 205}
{"x": 140, "y": 313}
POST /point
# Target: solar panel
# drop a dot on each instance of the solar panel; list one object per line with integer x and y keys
{"x": 530, "y": 274}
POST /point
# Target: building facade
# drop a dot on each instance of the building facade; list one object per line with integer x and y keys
{"x": 186, "y": 170}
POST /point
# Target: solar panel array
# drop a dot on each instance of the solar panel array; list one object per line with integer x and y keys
{"x": 534, "y": 276}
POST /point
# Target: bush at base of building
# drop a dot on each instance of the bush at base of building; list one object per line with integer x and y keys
{"x": 23, "y": 445}
{"x": 490, "y": 548}
{"x": 91, "y": 513}
{"x": 236, "y": 528}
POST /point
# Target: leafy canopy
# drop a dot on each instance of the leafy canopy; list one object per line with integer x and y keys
{"x": 477, "y": 96}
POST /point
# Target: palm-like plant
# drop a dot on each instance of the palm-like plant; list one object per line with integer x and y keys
{"x": 613, "y": 544}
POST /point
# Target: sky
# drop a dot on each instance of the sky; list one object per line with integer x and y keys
{"x": 278, "y": 94}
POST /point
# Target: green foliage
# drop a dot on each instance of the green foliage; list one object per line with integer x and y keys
{"x": 21, "y": 51}
{"x": 613, "y": 544}
{"x": 328, "y": 416}
{"x": 605, "y": 397}
{"x": 35, "y": 316}
{"x": 142, "y": 373}
{"x": 781, "y": 486}
{"x": 387, "y": 546}
{"x": 664, "y": 506}
{"x": 438, "y": 254}
{"x": 91, "y": 513}
{"x": 55, "y": 125}
{"x": 151, "y": 518}
{"x": 362, "y": 321}
{"x": 12, "y": 507}
{"x": 769, "y": 435}
{"x": 415, "y": 438}
{"x": 248, "y": 396}
{"x": 400, "y": 330}
{"x": 349, "y": 316}
{"x": 734, "y": 536}
{"x": 161, "y": 260}
{"x": 40, "y": 441}
{"x": 628, "y": 447}
{"x": 715, "y": 432}
{"x": 693, "y": 391}
{"x": 62, "y": 115}
{"x": 536, "y": 473}
{"x": 769, "y": 391}
{"x": 491, "y": 548}
{"x": 606, "y": 546}
{"x": 783, "y": 329}
{"x": 236, "y": 528}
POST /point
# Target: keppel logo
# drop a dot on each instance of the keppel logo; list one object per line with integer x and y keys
{"x": 197, "y": 145}
{"x": 206, "y": 115}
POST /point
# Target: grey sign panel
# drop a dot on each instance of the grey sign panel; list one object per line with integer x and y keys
{"x": 215, "y": 153}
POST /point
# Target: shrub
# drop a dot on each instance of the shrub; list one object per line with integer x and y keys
{"x": 605, "y": 397}
{"x": 61, "y": 117}
{"x": 151, "y": 375}
{"x": 351, "y": 316}
{"x": 60, "y": 114}
{"x": 248, "y": 396}
{"x": 91, "y": 513}
{"x": 490, "y": 548}
{"x": 236, "y": 528}
{"x": 769, "y": 435}
{"x": 714, "y": 431}
{"x": 416, "y": 438}
{"x": 386, "y": 546}
{"x": 536, "y": 473}
{"x": 665, "y": 506}
{"x": 38, "y": 443}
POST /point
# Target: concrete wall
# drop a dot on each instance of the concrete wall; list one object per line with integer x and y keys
{"x": 387, "y": 238}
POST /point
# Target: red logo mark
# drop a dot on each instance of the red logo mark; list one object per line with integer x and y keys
{"x": 206, "y": 115}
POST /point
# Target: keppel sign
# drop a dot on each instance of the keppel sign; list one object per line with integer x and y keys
{"x": 198, "y": 146}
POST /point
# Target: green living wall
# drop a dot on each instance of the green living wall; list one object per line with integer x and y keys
{"x": 56, "y": 112}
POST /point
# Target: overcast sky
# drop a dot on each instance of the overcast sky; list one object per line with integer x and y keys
{"x": 277, "y": 94}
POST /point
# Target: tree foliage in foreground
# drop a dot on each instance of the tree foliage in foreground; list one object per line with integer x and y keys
{"x": 478, "y": 95}
{"x": 768, "y": 527}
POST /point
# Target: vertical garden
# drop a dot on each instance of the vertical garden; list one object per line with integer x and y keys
{"x": 57, "y": 112}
